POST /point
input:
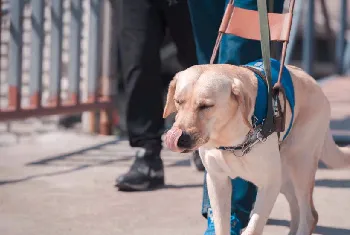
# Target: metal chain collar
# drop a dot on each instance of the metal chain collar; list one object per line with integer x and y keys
{"x": 252, "y": 138}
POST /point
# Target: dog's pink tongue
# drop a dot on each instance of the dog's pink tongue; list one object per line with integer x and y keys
{"x": 171, "y": 139}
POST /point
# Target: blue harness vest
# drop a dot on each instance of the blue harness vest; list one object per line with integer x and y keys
{"x": 260, "y": 109}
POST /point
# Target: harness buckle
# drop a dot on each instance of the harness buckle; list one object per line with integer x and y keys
{"x": 246, "y": 150}
{"x": 260, "y": 137}
{"x": 279, "y": 113}
{"x": 255, "y": 121}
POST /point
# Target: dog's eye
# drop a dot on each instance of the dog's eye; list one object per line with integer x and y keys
{"x": 204, "y": 106}
{"x": 178, "y": 102}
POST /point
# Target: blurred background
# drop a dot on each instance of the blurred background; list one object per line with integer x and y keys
{"x": 62, "y": 122}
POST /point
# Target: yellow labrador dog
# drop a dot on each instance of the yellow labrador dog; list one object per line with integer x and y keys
{"x": 214, "y": 105}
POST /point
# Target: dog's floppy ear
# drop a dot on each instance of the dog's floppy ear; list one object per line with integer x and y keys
{"x": 170, "y": 103}
{"x": 244, "y": 103}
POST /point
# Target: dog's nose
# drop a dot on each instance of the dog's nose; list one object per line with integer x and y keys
{"x": 184, "y": 141}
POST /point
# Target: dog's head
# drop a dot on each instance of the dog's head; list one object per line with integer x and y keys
{"x": 210, "y": 103}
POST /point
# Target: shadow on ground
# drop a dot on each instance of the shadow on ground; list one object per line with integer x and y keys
{"x": 323, "y": 230}
{"x": 84, "y": 158}
{"x": 340, "y": 124}
{"x": 340, "y": 183}
{"x": 31, "y": 177}
{"x": 72, "y": 153}
{"x": 88, "y": 160}
{"x": 167, "y": 186}
{"x": 172, "y": 186}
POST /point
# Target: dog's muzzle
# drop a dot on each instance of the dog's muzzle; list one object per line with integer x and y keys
{"x": 177, "y": 140}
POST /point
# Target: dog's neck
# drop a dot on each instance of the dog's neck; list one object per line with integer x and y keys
{"x": 231, "y": 134}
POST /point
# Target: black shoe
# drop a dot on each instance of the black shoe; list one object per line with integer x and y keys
{"x": 197, "y": 161}
{"x": 146, "y": 173}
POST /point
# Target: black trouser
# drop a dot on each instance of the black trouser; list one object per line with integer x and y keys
{"x": 144, "y": 23}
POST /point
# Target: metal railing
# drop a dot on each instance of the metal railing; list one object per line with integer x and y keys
{"x": 97, "y": 96}
{"x": 306, "y": 10}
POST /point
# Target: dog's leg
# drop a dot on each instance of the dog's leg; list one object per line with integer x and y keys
{"x": 265, "y": 200}
{"x": 268, "y": 190}
{"x": 289, "y": 193}
{"x": 303, "y": 179}
{"x": 219, "y": 190}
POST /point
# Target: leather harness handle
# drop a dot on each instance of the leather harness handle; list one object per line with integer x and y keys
{"x": 228, "y": 12}
{"x": 269, "y": 125}
{"x": 226, "y": 20}
{"x": 278, "y": 87}
{"x": 278, "y": 84}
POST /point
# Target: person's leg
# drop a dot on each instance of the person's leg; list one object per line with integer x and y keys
{"x": 206, "y": 18}
{"x": 238, "y": 51}
{"x": 177, "y": 18}
{"x": 178, "y": 21}
{"x": 140, "y": 40}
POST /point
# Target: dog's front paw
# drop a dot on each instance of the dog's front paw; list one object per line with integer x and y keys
{"x": 248, "y": 231}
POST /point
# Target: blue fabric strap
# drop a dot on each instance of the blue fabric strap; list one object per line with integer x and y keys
{"x": 260, "y": 109}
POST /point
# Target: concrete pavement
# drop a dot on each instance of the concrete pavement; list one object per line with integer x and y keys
{"x": 62, "y": 183}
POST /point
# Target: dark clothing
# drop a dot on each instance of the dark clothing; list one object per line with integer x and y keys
{"x": 144, "y": 24}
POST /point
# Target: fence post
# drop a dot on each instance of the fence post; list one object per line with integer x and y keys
{"x": 0, "y": 29}
{"x": 298, "y": 10}
{"x": 37, "y": 52}
{"x": 93, "y": 58}
{"x": 341, "y": 37}
{"x": 346, "y": 61}
{"x": 0, "y": 43}
{"x": 328, "y": 28}
{"x": 308, "y": 47}
{"x": 108, "y": 56}
{"x": 15, "y": 54}
{"x": 75, "y": 49}
{"x": 56, "y": 53}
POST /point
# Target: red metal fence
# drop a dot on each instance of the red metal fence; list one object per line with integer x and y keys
{"x": 99, "y": 65}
